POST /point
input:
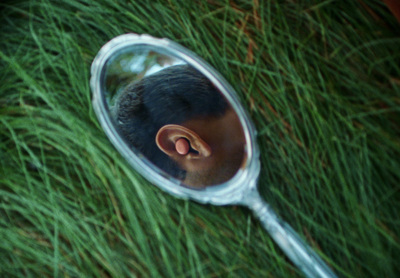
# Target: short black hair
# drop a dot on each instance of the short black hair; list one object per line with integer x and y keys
{"x": 171, "y": 96}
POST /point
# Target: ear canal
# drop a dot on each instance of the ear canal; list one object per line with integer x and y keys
{"x": 200, "y": 146}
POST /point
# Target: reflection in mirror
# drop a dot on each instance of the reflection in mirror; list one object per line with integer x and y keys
{"x": 170, "y": 121}
{"x": 174, "y": 116}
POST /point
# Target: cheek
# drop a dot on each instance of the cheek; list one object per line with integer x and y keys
{"x": 234, "y": 140}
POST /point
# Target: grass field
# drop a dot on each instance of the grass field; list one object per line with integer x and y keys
{"x": 321, "y": 81}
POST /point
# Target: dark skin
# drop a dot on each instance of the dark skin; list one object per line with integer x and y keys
{"x": 209, "y": 149}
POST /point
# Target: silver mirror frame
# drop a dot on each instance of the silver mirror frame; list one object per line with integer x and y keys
{"x": 241, "y": 189}
{"x": 230, "y": 192}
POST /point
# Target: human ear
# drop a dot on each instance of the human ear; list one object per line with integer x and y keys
{"x": 177, "y": 142}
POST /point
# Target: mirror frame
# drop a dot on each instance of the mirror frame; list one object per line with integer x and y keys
{"x": 230, "y": 192}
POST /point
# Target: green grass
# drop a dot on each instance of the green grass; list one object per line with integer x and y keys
{"x": 320, "y": 81}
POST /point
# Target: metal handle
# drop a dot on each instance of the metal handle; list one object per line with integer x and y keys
{"x": 288, "y": 240}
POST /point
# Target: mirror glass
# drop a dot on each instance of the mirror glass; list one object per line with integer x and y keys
{"x": 171, "y": 114}
{"x": 179, "y": 123}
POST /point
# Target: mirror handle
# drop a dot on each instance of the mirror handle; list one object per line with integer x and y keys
{"x": 288, "y": 240}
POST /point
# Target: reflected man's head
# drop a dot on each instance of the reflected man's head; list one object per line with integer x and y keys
{"x": 180, "y": 122}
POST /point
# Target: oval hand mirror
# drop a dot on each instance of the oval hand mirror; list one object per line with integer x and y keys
{"x": 180, "y": 124}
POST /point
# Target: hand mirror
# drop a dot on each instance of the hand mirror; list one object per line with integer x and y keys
{"x": 180, "y": 124}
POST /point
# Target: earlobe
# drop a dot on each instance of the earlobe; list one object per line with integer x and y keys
{"x": 177, "y": 142}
